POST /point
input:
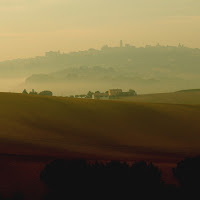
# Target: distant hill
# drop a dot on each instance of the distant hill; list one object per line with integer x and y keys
{"x": 96, "y": 75}
{"x": 51, "y": 126}
{"x": 157, "y": 59}
{"x": 147, "y": 69}
{"x": 190, "y": 90}
{"x": 190, "y": 97}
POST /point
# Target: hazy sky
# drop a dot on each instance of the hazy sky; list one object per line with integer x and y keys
{"x": 32, "y": 27}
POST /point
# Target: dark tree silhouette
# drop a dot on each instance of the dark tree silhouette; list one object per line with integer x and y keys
{"x": 187, "y": 173}
{"x": 89, "y": 94}
{"x": 24, "y": 91}
{"x": 17, "y": 196}
{"x": 33, "y": 92}
{"x": 46, "y": 93}
{"x": 132, "y": 92}
{"x": 101, "y": 181}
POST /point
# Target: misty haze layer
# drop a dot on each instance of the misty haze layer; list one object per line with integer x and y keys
{"x": 147, "y": 69}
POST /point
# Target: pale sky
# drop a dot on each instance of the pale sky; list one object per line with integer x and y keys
{"x": 31, "y": 27}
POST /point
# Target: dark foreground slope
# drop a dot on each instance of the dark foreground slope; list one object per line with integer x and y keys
{"x": 55, "y": 126}
{"x": 36, "y": 130}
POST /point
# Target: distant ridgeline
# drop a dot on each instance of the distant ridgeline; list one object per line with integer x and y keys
{"x": 148, "y": 69}
{"x": 190, "y": 90}
{"x": 140, "y": 58}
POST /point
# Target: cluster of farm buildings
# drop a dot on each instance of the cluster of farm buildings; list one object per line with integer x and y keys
{"x": 113, "y": 94}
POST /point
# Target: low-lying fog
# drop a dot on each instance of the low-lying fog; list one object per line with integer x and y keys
{"x": 82, "y": 87}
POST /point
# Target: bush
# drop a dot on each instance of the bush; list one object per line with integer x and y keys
{"x": 24, "y": 91}
{"x": 187, "y": 173}
{"x": 46, "y": 93}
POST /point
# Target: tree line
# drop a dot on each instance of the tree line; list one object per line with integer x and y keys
{"x": 43, "y": 93}
{"x": 81, "y": 179}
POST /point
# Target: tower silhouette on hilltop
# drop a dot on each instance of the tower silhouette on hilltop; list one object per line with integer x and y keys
{"x": 121, "y": 43}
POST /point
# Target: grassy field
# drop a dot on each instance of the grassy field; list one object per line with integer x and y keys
{"x": 56, "y": 126}
{"x": 185, "y": 97}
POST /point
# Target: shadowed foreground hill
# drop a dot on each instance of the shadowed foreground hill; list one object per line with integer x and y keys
{"x": 58, "y": 126}
{"x": 189, "y": 97}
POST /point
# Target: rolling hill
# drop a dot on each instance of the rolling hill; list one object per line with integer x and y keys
{"x": 57, "y": 126}
{"x": 188, "y": 97}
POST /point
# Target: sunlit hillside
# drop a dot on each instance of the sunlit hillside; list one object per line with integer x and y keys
{"x": 182, "y": 97}
{"x": 97, "y": 129}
